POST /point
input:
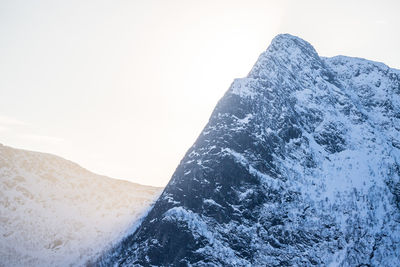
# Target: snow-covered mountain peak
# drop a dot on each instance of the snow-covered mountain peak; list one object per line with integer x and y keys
{"x": 299, "y": 165}
{"x": 286, "y": 55}
{"x": 290, "y": 43}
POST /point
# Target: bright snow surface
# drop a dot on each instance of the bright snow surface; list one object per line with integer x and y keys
{"x": 55, "y": 213}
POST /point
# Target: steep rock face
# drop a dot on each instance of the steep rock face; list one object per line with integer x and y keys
{"x": 55, "y": 213}
{"x": 298, "y": 165}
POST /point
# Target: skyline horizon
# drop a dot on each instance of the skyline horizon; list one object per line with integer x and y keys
{"x": 120, "y": 87}
{"x": 14, "y": 121}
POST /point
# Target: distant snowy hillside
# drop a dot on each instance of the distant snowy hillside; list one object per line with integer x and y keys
{"x": 55, "y": 213}
{"x": 299, "y": 165}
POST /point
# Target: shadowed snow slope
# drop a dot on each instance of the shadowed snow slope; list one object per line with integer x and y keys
{"x": 298, "y": 165}
{"x": 55, "y": 213}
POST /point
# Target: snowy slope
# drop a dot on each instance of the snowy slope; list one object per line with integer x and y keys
{"x": 299, "y": 165}
{"x": 55, "y": 213}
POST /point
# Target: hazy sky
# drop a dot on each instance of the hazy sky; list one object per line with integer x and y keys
{"x": 124, "y": 87}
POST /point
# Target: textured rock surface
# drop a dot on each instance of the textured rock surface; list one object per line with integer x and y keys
{"x": 298, "y": 165}
{"x": 55, "y": 213}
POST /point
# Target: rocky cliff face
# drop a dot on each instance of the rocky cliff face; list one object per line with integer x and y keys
{"x": 55, "y": 213}
{"x": 298, "y": 165}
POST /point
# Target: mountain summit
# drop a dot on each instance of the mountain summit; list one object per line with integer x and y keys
{"x": 299, "y": 164}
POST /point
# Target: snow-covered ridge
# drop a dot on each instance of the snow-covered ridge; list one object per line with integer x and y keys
{"x": 55, "y": 213}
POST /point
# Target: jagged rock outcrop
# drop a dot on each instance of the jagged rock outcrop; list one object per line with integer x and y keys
{"x": 298, "y": 165}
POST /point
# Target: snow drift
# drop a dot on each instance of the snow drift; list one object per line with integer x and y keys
{"x": 55, "y": 213}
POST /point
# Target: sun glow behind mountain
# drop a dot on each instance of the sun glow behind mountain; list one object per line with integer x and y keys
{"x": 124, "y": 86}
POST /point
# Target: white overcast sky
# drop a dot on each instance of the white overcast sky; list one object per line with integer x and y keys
{"x": 124, "y": 87}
